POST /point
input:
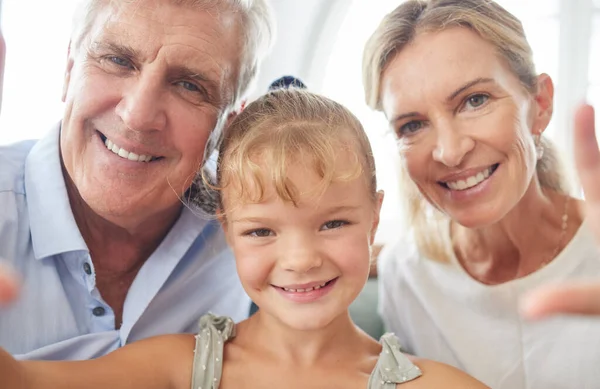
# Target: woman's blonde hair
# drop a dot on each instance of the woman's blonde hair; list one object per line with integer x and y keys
{"x": 493, "y": 24}
{"x": 285, "y": 127}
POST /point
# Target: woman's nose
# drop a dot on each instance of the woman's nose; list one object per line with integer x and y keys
{"x": 451, "y": 146}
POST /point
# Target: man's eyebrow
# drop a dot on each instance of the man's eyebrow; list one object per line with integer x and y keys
{"x": 116, "y": 48}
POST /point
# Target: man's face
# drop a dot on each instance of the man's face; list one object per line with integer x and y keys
{"x": 143, "y": 93}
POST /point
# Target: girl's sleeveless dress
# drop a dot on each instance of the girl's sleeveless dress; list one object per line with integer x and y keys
{"x": 392, "y": 367}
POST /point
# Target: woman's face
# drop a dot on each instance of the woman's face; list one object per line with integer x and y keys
{"x": 465, "y": 124}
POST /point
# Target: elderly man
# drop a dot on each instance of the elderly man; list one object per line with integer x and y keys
{"x": 93, "y": 216}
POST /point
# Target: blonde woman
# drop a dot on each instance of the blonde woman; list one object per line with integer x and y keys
{"x": 490, "y": 212}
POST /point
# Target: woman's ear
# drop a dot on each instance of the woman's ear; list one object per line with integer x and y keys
{"x": 375, "y": 225}
{"x": 544, "y": 101}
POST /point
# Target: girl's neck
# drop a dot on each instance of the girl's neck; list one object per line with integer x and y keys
{"x": 330, "y": 344}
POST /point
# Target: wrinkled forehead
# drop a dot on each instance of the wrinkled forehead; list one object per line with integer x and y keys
{"x": 435, "y": 64}
{"x": 200, "y": 40}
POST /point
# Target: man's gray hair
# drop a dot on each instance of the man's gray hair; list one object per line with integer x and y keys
{"x": 258, "y": 29}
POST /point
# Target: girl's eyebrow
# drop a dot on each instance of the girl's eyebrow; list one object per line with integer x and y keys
{"x": 250, "y": 219}
{"x": 325, "y": 212}
{"x": 341, "y": 208}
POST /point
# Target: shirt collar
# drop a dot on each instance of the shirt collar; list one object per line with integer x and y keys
{"x": 53, "y": 227}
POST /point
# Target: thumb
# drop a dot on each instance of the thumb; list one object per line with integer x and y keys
{"x": 573, "y": 298}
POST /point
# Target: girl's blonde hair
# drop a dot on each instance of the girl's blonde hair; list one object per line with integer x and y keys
{"x": 495, "y": 25}
{"x": 285, "y": 127}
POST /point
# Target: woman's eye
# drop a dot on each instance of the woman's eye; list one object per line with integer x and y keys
{"x": 260, "y": 232}
{"x": 410, "y": 128}
{"x": 334, "y": 224}
{"x": 477, "y": 101}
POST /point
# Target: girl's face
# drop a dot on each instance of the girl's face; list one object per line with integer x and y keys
{"x": 304, "y": 264}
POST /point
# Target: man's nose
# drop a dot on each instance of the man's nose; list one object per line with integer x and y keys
{"x": 142, "y": 103}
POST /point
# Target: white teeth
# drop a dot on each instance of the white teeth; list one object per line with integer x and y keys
{"x": 304, "y": 290}
{"x": 470, "y": 181}
{"x": 126, "y": 154}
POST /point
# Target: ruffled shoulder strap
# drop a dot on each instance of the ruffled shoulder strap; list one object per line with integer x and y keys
{"x": 393, "y": 367}
{"x": 208, "y": 355}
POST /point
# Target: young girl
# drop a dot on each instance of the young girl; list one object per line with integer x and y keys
{"x": 299, "y": 206}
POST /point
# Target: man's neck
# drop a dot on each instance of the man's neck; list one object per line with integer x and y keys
{"x": 118, "y": 249}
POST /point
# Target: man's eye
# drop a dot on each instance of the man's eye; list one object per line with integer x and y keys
{"x": 189, "y": 86}
{"x": 119, "y": 61}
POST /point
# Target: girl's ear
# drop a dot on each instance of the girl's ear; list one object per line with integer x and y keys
{"x": 223, "y": 221}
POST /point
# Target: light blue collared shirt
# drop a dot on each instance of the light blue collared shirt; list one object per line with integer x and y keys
{"x": 60, "y": 314}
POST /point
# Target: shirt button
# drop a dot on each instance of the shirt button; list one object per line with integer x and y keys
{"x": 99, "y": 311}
{"x": 87, "y": 268}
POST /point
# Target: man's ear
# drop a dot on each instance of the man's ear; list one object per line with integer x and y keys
{"x": 233, "y": 114}
{"x": 377, "y": 210}
{"x": 67, "y": 77}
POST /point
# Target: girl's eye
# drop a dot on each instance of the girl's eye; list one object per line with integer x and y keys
{"x": 330, "y": 225}
{"x": 477, "y": 101}
{"x": 260, "y": 233}
{"x": 410, "y": 128}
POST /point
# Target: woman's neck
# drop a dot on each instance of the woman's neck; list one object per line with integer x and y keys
{"x": 524, "y": 241}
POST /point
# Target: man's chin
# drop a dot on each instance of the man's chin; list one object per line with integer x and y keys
{"x": 123, "y": 208}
